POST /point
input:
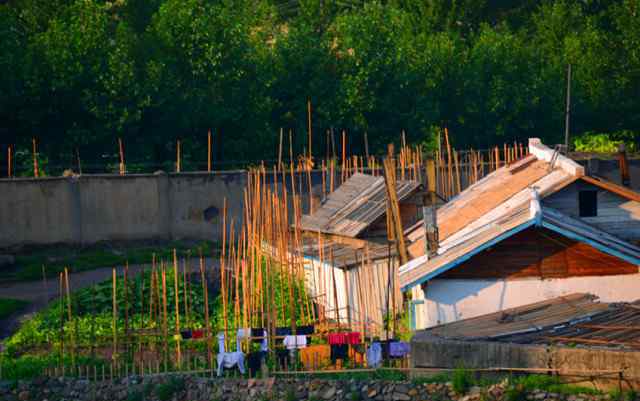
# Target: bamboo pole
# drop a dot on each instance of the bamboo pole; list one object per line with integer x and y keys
{"x": 36, "y": 172}
{"x": 9, "y": 162}
{"x": 310, "y": 133}
{"x": 177, "y": 307}
{"x": 178, "y": 157}
{"x": 209, "y": 143}
{"x": 121, "y": 153}
{"x": 114, "y": 316}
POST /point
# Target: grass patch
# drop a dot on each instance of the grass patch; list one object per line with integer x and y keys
{"x": 9, "y": 306}
{"x": 29, "y": 267}
{"x": 551, "y": 384}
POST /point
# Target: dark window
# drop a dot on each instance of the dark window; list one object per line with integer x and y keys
{"x": 588, "y": 203}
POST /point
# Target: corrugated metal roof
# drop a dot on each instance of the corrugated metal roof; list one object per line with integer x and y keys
{"x": 344, "y": 255}
{"x": 576, "y": 319}
{"x": 354, "y": 206}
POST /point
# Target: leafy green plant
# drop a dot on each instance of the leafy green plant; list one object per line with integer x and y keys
{"x": 462, "y": 380}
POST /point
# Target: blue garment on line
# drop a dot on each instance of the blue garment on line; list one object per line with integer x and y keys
{"x": 398, "y": 349}
{"x": 374, "y": 355}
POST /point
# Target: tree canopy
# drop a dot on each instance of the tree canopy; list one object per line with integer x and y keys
{"x": 77, "y": 74}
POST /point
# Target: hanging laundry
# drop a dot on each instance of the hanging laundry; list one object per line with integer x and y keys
{"x": 295, "y": 342}
{"x": 354, "y": 338}
{"x": 197, "y": 334}
{"x": 398, "y": 349}
{"x": 243, "y": 334}
{"x": 339, "y": 352}
{"x": 227, "y": 360}
{"x": 305, "y": 330}
{"x": 283, "y": 331}
{"x": 374, "y": 355}
{"x": 337, "y": 338}
{"x": 281, "y": 356}
{"x": 315, "y": 356}
{"x": 186, "y": 334}
{"x": 254, "y": 361}
{"x": 257, "y": 332}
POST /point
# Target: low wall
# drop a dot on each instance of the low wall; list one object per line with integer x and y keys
{"x": 93, "y": 208}
{"x": 436, "y": 353}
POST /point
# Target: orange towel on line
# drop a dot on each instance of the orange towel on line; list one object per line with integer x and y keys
{"x": 315, "y": 356}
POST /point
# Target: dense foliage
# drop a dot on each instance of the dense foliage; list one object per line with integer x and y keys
{"x": 77, "y": 74}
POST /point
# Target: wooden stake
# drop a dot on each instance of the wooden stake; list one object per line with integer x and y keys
{"x": 280, "y": 151}
{"x": 9, "y": 162}
{"x": 177, "y": 306}
{"x": 178, "y": 157}
{"x": 309, "y": 120}
{"x": 209, "y": 140}
{"x": 121, "y": 152}
{"x": 36, "y": 172}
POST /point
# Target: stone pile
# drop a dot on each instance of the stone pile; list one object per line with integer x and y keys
{"x": 192, "y": 388}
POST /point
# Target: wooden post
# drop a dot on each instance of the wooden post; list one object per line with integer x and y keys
{"x": 9, "y": 162}
{"x": 209, "y": 140}
{"x": 389, "y": 178}
{"x": 309, "y": 121}
{"x": 121, "y": 152}
{"x": 625, "y": 178}
{"x": 78, "y": 161}
{"x": 177, "y": 306}
{"x": 280, "y": 151}
{"x": 36, "y": 172}
{"x": 366, "y": 146}
{"x": 178, "y": 157}
{"x": 114, "y": 321}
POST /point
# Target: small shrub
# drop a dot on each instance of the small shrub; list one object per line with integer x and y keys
{"x": 462, "y": 380}
{"x": 355, "y": 396}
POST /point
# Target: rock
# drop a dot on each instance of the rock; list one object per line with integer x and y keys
{"x": 372, "y": 393}
{"x": 400, "y": 396}
{"x": 475, "y": 390}
{"x": 7, "y": 260}
{"x": 328, "y": 393}
{"x": 413, "y": 392}
{"x": 24, "y": 395}
{"x": 540, "y": 396}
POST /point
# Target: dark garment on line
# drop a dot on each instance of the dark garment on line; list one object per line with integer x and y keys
{"x": 254, "y": 361}
{"x": 186, "y": 334}
{"x": 197, "y": 334}
{"x": 385, "y": 348}
{"x": 257, "y": 332}
{"x": 282, "y": 355}
{"x": 360, "y": 348}
{"x": 305, "y": 330}
{"x": 339, "y": 352}
{"x": 282, "y": 331}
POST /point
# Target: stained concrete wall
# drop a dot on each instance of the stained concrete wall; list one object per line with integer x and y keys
{"x": 93, "y": 208}
{"x": 428, "y": 352}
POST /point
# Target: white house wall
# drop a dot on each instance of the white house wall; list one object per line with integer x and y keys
{"x": 448, "y": 300}
{"x": 366, "y": 286}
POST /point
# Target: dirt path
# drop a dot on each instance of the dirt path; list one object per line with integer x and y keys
{"x": 38, "y": 293}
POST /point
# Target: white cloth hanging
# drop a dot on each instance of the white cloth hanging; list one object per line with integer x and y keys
{"x": 242, "y": 335}
{"x": 264, "y": 346}
{"x": 295, "y": 342}
{"x": 227, "y": 360}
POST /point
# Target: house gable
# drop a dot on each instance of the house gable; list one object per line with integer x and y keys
{"x": 616, "y": 214}
{"x": 538, "y": 252}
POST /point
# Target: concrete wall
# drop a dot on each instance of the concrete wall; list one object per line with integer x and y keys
{"x": 92, "y": 208}
{"x": 436, "y": 353}
{"x": 449, "y": 300}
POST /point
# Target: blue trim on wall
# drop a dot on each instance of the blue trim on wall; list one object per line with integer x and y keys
{"x": 470, "y": 254}
{"x": 597, "y": 245}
